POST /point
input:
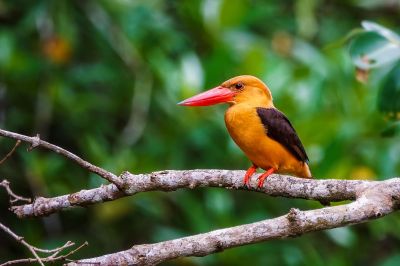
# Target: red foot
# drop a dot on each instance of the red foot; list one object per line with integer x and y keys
{"x": 249, "y": 173}
{"x": 264, "y": 176}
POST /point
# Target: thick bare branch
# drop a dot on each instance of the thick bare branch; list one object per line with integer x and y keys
{"x": 276, "y": 185}
{"x": 37, "y": 142}
{"x": 374, "y": 201}
{"x": 129, "y": 184}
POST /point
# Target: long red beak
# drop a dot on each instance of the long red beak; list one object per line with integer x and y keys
{"x": 216, "y": 95}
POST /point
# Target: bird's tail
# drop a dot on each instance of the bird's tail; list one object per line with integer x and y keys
{"x": 305, "y": 171}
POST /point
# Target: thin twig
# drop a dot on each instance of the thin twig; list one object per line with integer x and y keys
{"x": 56, "y": 250}
{"x": 23, "y": 242}
{"x": 36, "y": 141}
{"x": 13, "y": 197}
{"x": 50, "y": 259}
{"x": 34, "y": 250}
{"x": 63, "y": 257}
{"x": 11, "y": 152}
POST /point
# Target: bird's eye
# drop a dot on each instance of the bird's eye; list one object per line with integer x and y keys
{"x": 239, "y": 86}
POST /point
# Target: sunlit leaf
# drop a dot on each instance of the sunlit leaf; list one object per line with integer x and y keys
{"x": 370, "y": 50}
{"x": 384, "y": 32}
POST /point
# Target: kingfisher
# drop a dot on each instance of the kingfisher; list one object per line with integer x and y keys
{"x": 261, "y": 131}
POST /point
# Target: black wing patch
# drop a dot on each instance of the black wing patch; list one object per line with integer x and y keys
{"x": 279, "y": 128}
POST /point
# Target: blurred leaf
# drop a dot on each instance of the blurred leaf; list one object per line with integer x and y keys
{"x": 342, "y": 236}
{"x": 163, "y": 233}
{"x": 292, "y": 255}
{"x": 370, "y": 50}
{"x": 113, "y": 210}
{"x": 282, "y": 43}
{"x": 232, "y": 12}
{"x": 392, "y": 130}
{"x": 6, "y": 47}
{"x": 362, "y": 173}
{"x": 392, "y": 261}
{"x": 384, "y": 32}
{"x": 57, "y": 49}
{"x": 389, "y": 95}
{"x": 309, "y": 55}
{"x": 220, "y": 203}
{"x": 340, "y": 42}
{"x": 305, "y": 11}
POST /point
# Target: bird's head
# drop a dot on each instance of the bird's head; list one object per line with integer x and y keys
{"x": 240, "y": 89}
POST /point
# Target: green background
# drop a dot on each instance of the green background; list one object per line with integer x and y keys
{"x": 102, "y": 79}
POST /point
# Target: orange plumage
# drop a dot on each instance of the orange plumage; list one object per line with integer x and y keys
{"x": 263, "y": 133}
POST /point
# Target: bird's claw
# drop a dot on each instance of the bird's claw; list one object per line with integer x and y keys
{"x": 249, "y": 173}
{"x": 260, "y": 183}
{"x": 264, "y": 176}
{"x": 246, "y": 181}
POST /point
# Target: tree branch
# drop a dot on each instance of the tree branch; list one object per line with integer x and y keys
{"x": 329, "y": 190}
{"x": 37, "y": 142}
{"x": 374, "y": 201}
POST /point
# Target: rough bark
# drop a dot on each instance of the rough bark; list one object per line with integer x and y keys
{"x": 373, "y": 201}
{"x": 328, "y": 190}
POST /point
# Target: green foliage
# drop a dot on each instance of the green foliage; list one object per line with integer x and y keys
{"x": 102, "y": 79}
{"x": 379, "y": 47}
{"x": 375, "y": 47}
{"x": 389, "y": 97}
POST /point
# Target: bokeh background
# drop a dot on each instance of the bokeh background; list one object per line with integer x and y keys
{"x": 102, "y": 79}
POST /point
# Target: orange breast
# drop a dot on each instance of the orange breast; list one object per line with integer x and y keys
{"x": 249, "y": 134}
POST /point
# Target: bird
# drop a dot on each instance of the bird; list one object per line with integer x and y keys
{"x": 261, "y": 131}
